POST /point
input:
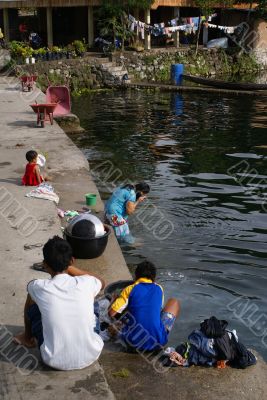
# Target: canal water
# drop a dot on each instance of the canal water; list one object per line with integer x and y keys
{"x": 205, "y": 222}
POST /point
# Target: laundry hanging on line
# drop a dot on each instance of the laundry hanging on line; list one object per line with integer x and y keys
{"x": 226, "y": 29}
{"x": 190, "y": 25}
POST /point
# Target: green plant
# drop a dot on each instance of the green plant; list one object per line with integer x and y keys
{"x": 56, "y": 49}
{"x": 40, "y": 51}
{"x": 20, "y": 50}
{"x": 113, "y": 17}
{"x": 148, "y": 59}
{"x": 79, "y": 47}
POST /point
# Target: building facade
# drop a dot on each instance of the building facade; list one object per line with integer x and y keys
{"x": 59, "y": 22}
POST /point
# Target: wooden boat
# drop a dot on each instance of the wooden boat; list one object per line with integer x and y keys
{"x": 61, "y": 96}
{"x": 224, "y": 84}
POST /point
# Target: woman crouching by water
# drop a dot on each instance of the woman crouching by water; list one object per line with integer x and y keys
{"x": 123, "y": 203}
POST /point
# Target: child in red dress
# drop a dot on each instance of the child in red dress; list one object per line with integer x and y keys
{"x": 32, "y": 176}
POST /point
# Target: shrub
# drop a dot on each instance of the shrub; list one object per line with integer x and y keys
{"x": 79, "y": 47}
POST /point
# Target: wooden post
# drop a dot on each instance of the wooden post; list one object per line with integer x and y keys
{"x": 6, "y": 24}
{"x": 176, "y": 14}
{"x": 205, "y": 34}
{"x": 136, "y": 14}
{"x": 90, "y": 26}
{"x": 49, "y": 26}
{"x": 147, "y": 35}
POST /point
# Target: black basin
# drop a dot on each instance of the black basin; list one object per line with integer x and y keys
{"x": 116, "y": 287}
{"x": 85, "y": 248}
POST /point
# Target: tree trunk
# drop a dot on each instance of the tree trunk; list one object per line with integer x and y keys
{"x": 123, "y": 32}
{"x": 198, "y": 32}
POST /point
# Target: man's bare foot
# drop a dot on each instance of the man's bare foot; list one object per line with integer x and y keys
{"x": 21, "y": 339}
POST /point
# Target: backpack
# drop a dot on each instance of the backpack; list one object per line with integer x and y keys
{"x": 213, "y": 327}
{"x": 243, "y": 358}
{"x": 227, "y": 348}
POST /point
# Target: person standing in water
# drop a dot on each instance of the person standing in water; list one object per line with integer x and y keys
{"x": 121, "y": 204}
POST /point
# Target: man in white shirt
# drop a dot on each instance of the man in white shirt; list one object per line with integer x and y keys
{"x": 59, "y": 311}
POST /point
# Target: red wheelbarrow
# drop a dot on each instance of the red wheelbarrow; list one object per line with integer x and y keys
{"x": 44, "y": 113}
{"x": 61, "y": 96}
{"x": 27, "y": 82}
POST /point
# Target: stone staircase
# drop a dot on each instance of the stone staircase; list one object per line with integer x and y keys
{"x": 114, "y": 74}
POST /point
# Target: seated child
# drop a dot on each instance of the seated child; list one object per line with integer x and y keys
{"x": 32, "y": 175}
{"x": 146, "y": 325}
{"x": 59, "y": 311}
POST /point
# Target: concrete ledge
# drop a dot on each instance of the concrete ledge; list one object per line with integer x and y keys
{"x": 19, "y": 250}
{"x": 194, "y": 383}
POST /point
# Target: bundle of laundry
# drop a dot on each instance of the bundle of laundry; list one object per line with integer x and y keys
{"x": 44, "y": 191}
{"x": 209, "y": 345}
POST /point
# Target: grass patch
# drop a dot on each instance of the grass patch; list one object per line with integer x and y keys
{"x": 122, "y": 373}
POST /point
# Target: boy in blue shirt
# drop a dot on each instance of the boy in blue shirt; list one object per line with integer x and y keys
{"x": 147, "y": 323}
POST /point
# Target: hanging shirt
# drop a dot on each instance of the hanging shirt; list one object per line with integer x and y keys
{"x": 66, "y": 304}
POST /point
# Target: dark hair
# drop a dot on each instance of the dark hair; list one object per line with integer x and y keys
{"x": 142, "y": 187}
{"x": 57, "y": 254}
{"x": 146, "y": 269}
{"x": 31, "y": 155}
{"x": 128, "y": 186}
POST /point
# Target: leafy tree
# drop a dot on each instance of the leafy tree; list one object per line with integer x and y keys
{"x": 113, "y": 18}
{"x": 206, "y": 8}
{"x": 262, "y": 8}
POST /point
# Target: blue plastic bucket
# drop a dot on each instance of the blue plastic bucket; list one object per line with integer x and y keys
{"x": 177, "y": 71}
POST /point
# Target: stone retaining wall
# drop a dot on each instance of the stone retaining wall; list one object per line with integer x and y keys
{"x": 261, "y": 57}
{"x": 80, "y": 73}
{"x": 90, "y": 72}
{"x": 155, "y": 66}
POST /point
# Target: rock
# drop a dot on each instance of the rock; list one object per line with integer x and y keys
{"x": 4, "y": 58}
{"x": 70, "y": 123}
{"x": 142, "y": 75}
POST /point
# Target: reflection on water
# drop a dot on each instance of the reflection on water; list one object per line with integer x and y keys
{"x": 206, "y": 160}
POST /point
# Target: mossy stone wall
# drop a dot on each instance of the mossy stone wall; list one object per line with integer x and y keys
{"x": 156, "y": 66}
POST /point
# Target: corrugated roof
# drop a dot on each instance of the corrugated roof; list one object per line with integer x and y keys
{"x": 73, "y": 3}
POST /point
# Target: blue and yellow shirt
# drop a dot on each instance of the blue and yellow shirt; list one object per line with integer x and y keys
{"x": 143, "y": 300}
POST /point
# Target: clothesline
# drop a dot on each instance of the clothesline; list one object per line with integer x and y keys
{"x": 190, "y": 25}
{"x": 226, "y": 29}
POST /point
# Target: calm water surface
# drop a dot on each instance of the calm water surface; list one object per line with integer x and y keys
{"x": 205, "y": 157}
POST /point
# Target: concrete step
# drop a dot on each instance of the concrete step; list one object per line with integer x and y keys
{"x": 102, "y": 60}
{"x": 119, "y": 73}
{"x": 115, "y": 69}
{"x": 108, "y": 65}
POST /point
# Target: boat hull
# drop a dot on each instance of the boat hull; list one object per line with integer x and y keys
{"x": 224, "y": 84}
